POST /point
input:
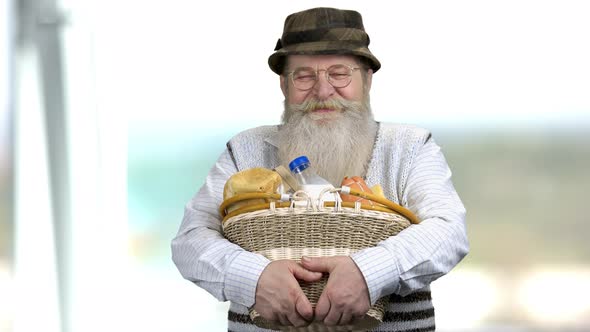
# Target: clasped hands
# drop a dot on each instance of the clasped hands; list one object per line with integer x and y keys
{"x": 345, "y": 297}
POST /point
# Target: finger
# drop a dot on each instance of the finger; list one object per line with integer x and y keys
{"x": 357, "y": 317}
{"x": 296, "y": 320}
{"x": 271, "y": 316}
{"x": 322, "y": 308}
{"x": 333, "y": 317}
{"x": 304, "y": 274}
{"x": 304, "y": 307}
{"x": 318, "y": 264}
{"x": 345, "y": 319}
{"x": 284, "y": 320}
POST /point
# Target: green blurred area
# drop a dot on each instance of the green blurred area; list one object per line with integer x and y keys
{"x": 162, "y": 178}
{"x": 524, "y": 192}
{"x": 6, "y": 215}
{"x": 6, "y": 203}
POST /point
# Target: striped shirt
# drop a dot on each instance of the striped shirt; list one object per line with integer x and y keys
{"x": 413, "y": 172}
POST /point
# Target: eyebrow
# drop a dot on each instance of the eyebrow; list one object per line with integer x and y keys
{"x": 336, "y": 64}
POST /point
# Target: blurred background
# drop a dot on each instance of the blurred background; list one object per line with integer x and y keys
{"x": 112, "y": 113}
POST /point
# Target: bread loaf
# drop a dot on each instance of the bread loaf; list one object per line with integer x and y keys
{"x": 378, "y": 191}
{"x": 250, "y": 181}
{"x": 357, "y": 183}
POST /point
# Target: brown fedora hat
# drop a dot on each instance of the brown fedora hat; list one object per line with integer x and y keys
{"x": 319, "y": 31}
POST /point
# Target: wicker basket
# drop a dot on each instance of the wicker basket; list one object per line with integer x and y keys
{"x": 284, "y": 230}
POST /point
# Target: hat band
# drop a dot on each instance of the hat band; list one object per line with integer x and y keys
{"x": 354, "y": 36}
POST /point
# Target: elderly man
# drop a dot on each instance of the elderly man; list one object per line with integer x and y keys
{"x": 325, "y": 70}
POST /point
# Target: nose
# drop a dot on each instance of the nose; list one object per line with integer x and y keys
{"x": 323, "y": 89}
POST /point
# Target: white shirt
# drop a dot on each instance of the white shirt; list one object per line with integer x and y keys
{"x": 401, "y": 264}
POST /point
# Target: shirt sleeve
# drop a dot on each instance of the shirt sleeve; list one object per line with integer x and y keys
{"x": 423, "y": 252}
{"x": 204, "y": 256}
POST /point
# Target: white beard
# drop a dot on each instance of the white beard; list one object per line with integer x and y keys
{"x": 338, "y": 143}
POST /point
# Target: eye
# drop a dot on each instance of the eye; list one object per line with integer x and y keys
{"x": 339, "y": 72}
{"x": 304, "y": 75}
{"x": 305, "y": 78}
{"x": 338, "y": 77}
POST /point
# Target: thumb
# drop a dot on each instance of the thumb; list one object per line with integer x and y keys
{"x": 304, "y": 307}
{"x": 318, "y": 264}
{"x": 304, "y": 274}
{"x": 322, "y": 308}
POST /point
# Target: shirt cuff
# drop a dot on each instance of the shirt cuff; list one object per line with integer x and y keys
{"x": 242, "y": 277}
{"x": 380, "y": 271}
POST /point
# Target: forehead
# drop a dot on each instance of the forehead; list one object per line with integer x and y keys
{"x": 320, "y": 61}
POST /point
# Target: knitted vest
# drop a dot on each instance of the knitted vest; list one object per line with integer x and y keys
{"x": 394, "y": 152}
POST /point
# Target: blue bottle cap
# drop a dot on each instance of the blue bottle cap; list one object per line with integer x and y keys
{"x": 300, "y": 163}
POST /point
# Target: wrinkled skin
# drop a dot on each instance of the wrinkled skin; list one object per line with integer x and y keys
{"x": 279, "y": 296}
{"x": 345, "y": 298}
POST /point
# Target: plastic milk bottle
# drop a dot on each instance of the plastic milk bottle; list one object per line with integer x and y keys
{"x": 309, "y": 181}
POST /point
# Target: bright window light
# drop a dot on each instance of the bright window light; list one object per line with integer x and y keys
{"x": 464, "y": 298}
{"x": 556, "y": 297}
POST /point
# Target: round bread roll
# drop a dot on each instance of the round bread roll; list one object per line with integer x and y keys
{"x": 249, "y": 181}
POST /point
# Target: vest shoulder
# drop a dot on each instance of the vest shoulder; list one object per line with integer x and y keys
{"x": 404, "y": 130}
{"x": 250, "y": 148}
{"x": 260, "y": 132}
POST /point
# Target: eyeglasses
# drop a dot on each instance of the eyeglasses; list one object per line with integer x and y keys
{"x": 305, "y": 78}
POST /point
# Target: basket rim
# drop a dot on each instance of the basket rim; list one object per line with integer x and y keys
{"x": 327, "y": 205}
{"x": 382, "y": 216}
{"x": 278, "y": 200}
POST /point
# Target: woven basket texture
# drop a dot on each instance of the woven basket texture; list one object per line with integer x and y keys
{"x": 290, "y": 233}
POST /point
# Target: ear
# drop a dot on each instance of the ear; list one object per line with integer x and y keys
{"x": 369, "y": 80}
{"x": 283, "y": 85}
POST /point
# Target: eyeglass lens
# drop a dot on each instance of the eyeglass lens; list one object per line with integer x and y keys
{"x": 304, "y": 78}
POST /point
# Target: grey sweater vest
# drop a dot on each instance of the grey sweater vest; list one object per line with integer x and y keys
{"x": 394, "y": 152}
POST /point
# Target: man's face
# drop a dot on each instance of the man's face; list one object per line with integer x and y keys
{"x": 323, "y": 90}
{"x": 316, "y": 120}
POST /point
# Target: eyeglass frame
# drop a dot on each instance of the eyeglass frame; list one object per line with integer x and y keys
{"x": 316, "y": 71}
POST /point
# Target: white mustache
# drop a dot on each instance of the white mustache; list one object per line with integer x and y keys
{"x": 353, "y": 108}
